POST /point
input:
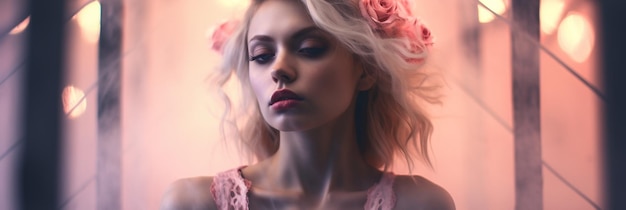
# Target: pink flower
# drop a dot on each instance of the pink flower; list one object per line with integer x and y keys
{"x": 427, "y": 38}
{"x": 420, "y": 39}
{"x": 418, "y": 32}
{"x": 386, "y": 16}
{"x": 394, "y": 19}
{"x": 220, "y": 33}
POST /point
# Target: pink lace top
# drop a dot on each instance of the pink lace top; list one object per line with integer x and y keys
{"x": 230, "y": 191}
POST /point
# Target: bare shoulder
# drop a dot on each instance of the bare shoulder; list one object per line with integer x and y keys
{"x": 189, "y": 193}
{"x": 416, "y": 192}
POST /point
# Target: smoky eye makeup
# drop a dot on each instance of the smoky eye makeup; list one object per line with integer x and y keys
{"x": 312, "y": 47}
{"x": 308, "y": 43}
{"x": 261, "y": 55}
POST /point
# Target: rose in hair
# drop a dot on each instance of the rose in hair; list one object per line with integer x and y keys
{"x": 419, "y": 38}
{"x": 427, "y": 38}
{"x": 419, "y": 32}
{"x": 387, "y": 17}
{"x": 220, "y": 33}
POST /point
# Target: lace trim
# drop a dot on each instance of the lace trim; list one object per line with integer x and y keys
{"x": 230, "y": 189}
{"x": 381, "y": 195}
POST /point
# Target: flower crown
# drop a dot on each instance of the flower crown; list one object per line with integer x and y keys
{"x": 388, "y": 18}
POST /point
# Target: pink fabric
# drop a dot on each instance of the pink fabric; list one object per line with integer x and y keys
{"x": 381, "y": 195}
{"x": 230, "y": 189}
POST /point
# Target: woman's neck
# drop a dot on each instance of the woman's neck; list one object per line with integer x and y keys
{"x": 315, "y": 162}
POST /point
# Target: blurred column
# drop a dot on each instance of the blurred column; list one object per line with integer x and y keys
{"x": 613, "y": 45}
{"x": 109, "y": 112}
{"x": 39, "y": 172}
{"x": 526, "y": 106}
{"x": 472, "y": 81}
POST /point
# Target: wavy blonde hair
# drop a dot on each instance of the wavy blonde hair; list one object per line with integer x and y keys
{"x": 390, "y": 118}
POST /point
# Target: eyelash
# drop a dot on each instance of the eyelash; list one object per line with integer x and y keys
{"x": 261, "y": 58}
{"x": 313, "y": 52}
{"x": 308, "y": 52}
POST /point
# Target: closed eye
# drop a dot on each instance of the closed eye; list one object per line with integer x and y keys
{"x": 312, "y": 52}
{"x": 262, "y": 58}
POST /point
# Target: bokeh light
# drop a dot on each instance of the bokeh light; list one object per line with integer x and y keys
{"x": 576, "y": 37}
{"x": 89, "y": 21}
{"x": 20, "y": 27}
{"x": 485, "y": 16}
{"x": 550, "y": 13}
{"x": 71, "y": 97}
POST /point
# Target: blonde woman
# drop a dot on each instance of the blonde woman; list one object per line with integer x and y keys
{"x": 333, "y": 91}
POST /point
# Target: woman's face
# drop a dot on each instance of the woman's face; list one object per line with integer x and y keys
{"x": 302, "y": 77}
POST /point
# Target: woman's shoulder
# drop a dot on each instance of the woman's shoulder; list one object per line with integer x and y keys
{"x": 189, "y": 193}
{"x": 417, "y": 192}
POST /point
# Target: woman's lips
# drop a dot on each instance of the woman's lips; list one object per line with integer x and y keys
{"x": 283, "y": 95}
{"x": 284, "y": 104}
{"x": 284, "y": 99}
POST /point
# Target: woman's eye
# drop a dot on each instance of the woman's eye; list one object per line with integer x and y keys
{"x": 262, "y": 58}
{"x": 312, "y": 52}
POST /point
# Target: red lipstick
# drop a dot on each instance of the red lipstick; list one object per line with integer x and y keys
{"x": 284, "y": 99}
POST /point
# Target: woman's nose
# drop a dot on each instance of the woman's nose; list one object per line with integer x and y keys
{"x": 281, "y": 75}
{"x": 283, "y": 70}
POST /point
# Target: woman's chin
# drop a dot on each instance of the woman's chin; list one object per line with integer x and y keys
{"x": 291, "y": 124}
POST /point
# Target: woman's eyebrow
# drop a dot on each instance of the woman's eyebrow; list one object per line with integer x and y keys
{"x": 305, "y": 31}
{"x": 260, "y": 38}
{"x": 297, "y": 34}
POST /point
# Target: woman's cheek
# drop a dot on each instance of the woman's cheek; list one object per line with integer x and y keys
{"x": 256, "y": 84}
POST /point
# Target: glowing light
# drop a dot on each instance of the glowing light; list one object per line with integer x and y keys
{"x": 20, "y": 27}
{"x": 89, "y": 21}
{"x": 485, "y": 16}
{"x": 234, "y": 3}
{"x": 576, "y": 37}
{"x": 550, "y": 13}
{"x": 71, "y": 98}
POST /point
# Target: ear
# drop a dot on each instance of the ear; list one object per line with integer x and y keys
{"x": 366, "y": 80}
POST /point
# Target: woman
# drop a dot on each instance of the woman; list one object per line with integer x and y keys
{"x": 337, "y": 86}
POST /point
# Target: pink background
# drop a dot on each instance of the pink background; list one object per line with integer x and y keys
{"x": 170, "y": 126}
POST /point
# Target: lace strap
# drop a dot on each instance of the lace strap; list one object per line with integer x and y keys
{"x": 381, "y": 196}
{"x": 229, "y": 190}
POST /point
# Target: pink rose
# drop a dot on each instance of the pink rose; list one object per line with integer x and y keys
{"x": 220, "y": 33}
{"x": 427, "y": 38}
{"x": 394, "y": 19}
{"x": 385, "y": 16}
{"x": 418, "y": 31}
{"x": 420, "y": 39}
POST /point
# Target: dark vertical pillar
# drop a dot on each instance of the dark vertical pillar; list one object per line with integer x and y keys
{"x": 526, "y": 106}
{"x": 109, "y": 178}
{"x": 39, "y": 172}
{"x": 613, "y": 45}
